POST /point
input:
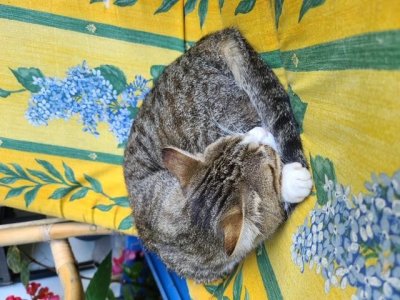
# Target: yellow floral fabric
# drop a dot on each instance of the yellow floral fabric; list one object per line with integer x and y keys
{"x": 74, "y": 73}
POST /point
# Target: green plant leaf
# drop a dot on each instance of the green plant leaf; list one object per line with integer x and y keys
{"x": 115, "y": 76}
{"x": 221, "y": 4}
{"x": 100, "y": 283}
{"x": 125, "y": 2}
{"x": 8, "y": 180}
{"x": 6, "y": 170}
{"x": 110, "y": 295}
{"x": 25, "y": 77}
{"x": 246, "y": 295}
{"x": 156, "y": 71}
{"x": 299, "y": 108}
{"x": 42, "y": 176}
{"x": 14, "y": 261}
{"x": 126, "y": 223}
{"x": 322, "y": 167}
{"x": 51, "y": 169}
{"x": 104, "y": 207}
{"x": 165, "y": 6}
{"x": 69, "y": 174}
{"x": 15, "y": 192}
{"x": 237, "y": 284}
{"x": 96, "y": 185}
{"x": 31, "y": 195}
{"x": 307, "y": 5}
{"x": 245, "y": 6}
{"x": 278, "y": 11}
{"x": 202, "y": 12}
{"x": 189, "y": 6}
{"x": 267, "y": 274}
{"x": 79, "y": 194}
{"x": 127, "y": 293}
{"x": 121, "y": 201}
{"x": 62, "y": 192}
{"x": 25, "y": 273}
{"x": 96, "y": 1}
{"x": 4, "y": 93}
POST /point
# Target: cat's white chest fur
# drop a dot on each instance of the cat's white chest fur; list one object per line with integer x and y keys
{"x": 296, "y": 180}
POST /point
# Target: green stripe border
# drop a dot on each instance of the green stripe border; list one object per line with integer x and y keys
{"x": 32, "y": 147}
{"x": 102, "y": 30}
{"x": 375, "y": 50}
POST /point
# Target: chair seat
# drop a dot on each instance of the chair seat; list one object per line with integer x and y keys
{"x": 73, "y": 75}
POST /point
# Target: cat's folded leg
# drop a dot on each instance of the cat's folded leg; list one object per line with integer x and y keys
{"x": 296, "y": 183}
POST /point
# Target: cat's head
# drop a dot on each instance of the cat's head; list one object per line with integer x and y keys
{"x": 232, "y": 189}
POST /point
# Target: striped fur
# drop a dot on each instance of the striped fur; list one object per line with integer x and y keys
{"x": 202, "y": 199}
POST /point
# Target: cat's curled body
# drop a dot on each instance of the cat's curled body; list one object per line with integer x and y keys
{"x": 203, "y": 194}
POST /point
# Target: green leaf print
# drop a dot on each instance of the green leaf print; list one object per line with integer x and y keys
{"x": 8, "y": 180}
{"x": 237, "y": 285}
{"x": 121, "y": 201}
{"x": 267, "y": 274}
{"x": 15, "y": 192}
{"x": 323, "y": 170}
{"x": 307, "y": 5}
{"x": 156, "y": 71}
{"x": 245, "y": 6}
{"x": 26, "y": 76}
{"x": 189, "y": 6}
{"x": 104, "y": 207}
{"x": 6, "y": 170}
{"x": 165, "y": 6}
{"x": 42, "y": 176}
{"x": 31, "y": 195}
{"x": 221, "y": 4}
{"x": 63, "y": 188}
{"x": 95, "y": 1}
{"x": 96, "y": 185}
{"x": 278, "y": 11}
{"x": 20, "y": 171}
{"x": 217, "y": 291}
{"x": 69, "y": 174}
{"x": 246, "y": 295}
{"x": 62, "y": 192}
{"x": 203, "y": 8}
{"x": 126, "y": 223}
{"x": 125, "y": 2}
{"x": 299, "y": 108}
{"x": 50, "y": 168}
{"x": 4, "y": 93}
{"x": 115, "y": 76}
{"x": 82, "y": 192}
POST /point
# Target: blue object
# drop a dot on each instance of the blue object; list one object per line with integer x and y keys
{"x": 171, "y": 286}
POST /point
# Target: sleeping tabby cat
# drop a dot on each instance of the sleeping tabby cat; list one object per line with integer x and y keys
{"x": 206, "y": 184}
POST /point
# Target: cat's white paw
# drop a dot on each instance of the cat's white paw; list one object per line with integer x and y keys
{"x": 261, "y": 136}
{"x": 296, "y": 183}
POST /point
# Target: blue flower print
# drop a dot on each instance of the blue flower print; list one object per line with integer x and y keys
{"x": 355, "y": 240}
{"x": 87, "y": 93}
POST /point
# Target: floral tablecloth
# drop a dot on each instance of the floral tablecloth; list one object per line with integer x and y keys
{"x": 74, "y": 73}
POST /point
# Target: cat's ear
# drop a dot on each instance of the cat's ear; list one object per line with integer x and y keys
{"x": 231, "y": 224}
{"x": 180, "y": 163}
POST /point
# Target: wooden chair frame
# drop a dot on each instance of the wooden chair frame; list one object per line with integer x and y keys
{"x": 56, "y": 231}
